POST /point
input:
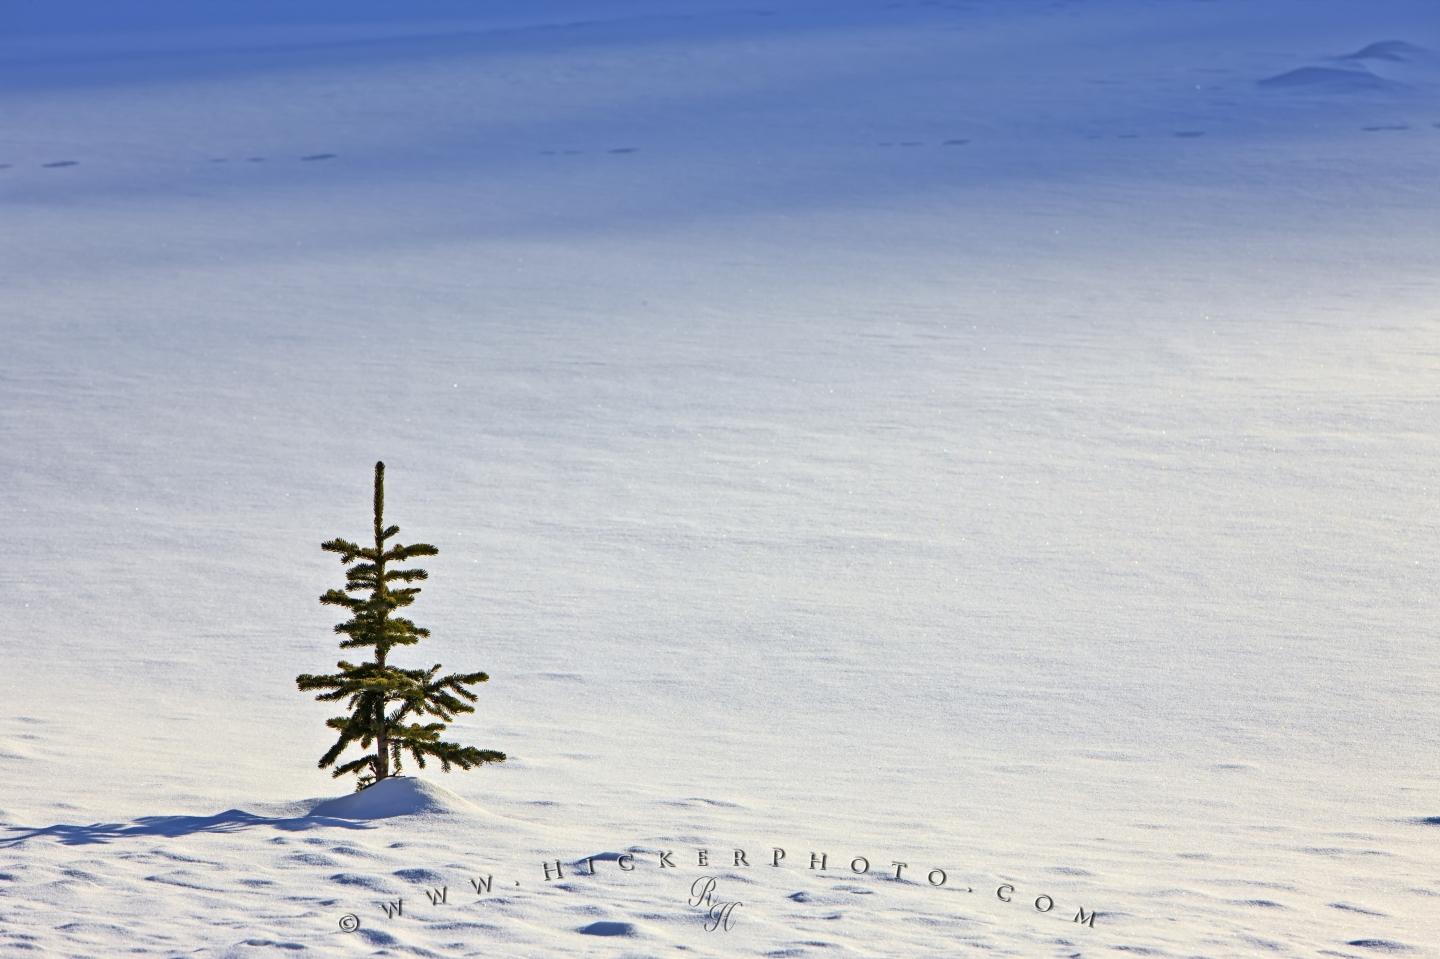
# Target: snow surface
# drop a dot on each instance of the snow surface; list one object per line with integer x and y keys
{"x": 999, "y": 437}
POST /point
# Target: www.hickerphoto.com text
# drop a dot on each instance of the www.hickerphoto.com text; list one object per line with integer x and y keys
{"x": 778, "y": 858}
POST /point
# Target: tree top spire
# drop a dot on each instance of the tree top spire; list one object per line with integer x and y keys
{"x": 379, "y": 498}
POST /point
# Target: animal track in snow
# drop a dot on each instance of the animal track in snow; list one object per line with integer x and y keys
{"x": 576, "y": 153}
{"x": 625, "y": 150}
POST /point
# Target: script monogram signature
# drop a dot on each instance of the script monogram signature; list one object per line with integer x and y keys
{"x": 719, "y": 914}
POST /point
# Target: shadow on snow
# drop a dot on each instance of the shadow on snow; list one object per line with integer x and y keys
{"x": 231, "y": 820}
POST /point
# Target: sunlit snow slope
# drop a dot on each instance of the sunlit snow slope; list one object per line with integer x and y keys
{"x": 999, "y": 437}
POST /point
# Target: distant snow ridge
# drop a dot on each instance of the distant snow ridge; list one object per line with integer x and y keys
{"x": 395, "y": 796}
{"x": 1331, "y": 80}
{"x": 1397, "y": 51}
{"x": 1353, "y": 74}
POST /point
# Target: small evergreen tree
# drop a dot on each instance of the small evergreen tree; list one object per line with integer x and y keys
{"x": 386, "y": 700}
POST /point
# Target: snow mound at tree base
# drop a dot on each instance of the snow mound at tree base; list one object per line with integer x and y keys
{"x": 395, "y": 796}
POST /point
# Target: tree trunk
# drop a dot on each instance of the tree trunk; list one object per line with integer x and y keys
{"x": 382, "y": 745}
{"x": 382, "y": 738}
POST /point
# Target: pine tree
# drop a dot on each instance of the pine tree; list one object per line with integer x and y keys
{"x": 386, "y": 700}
